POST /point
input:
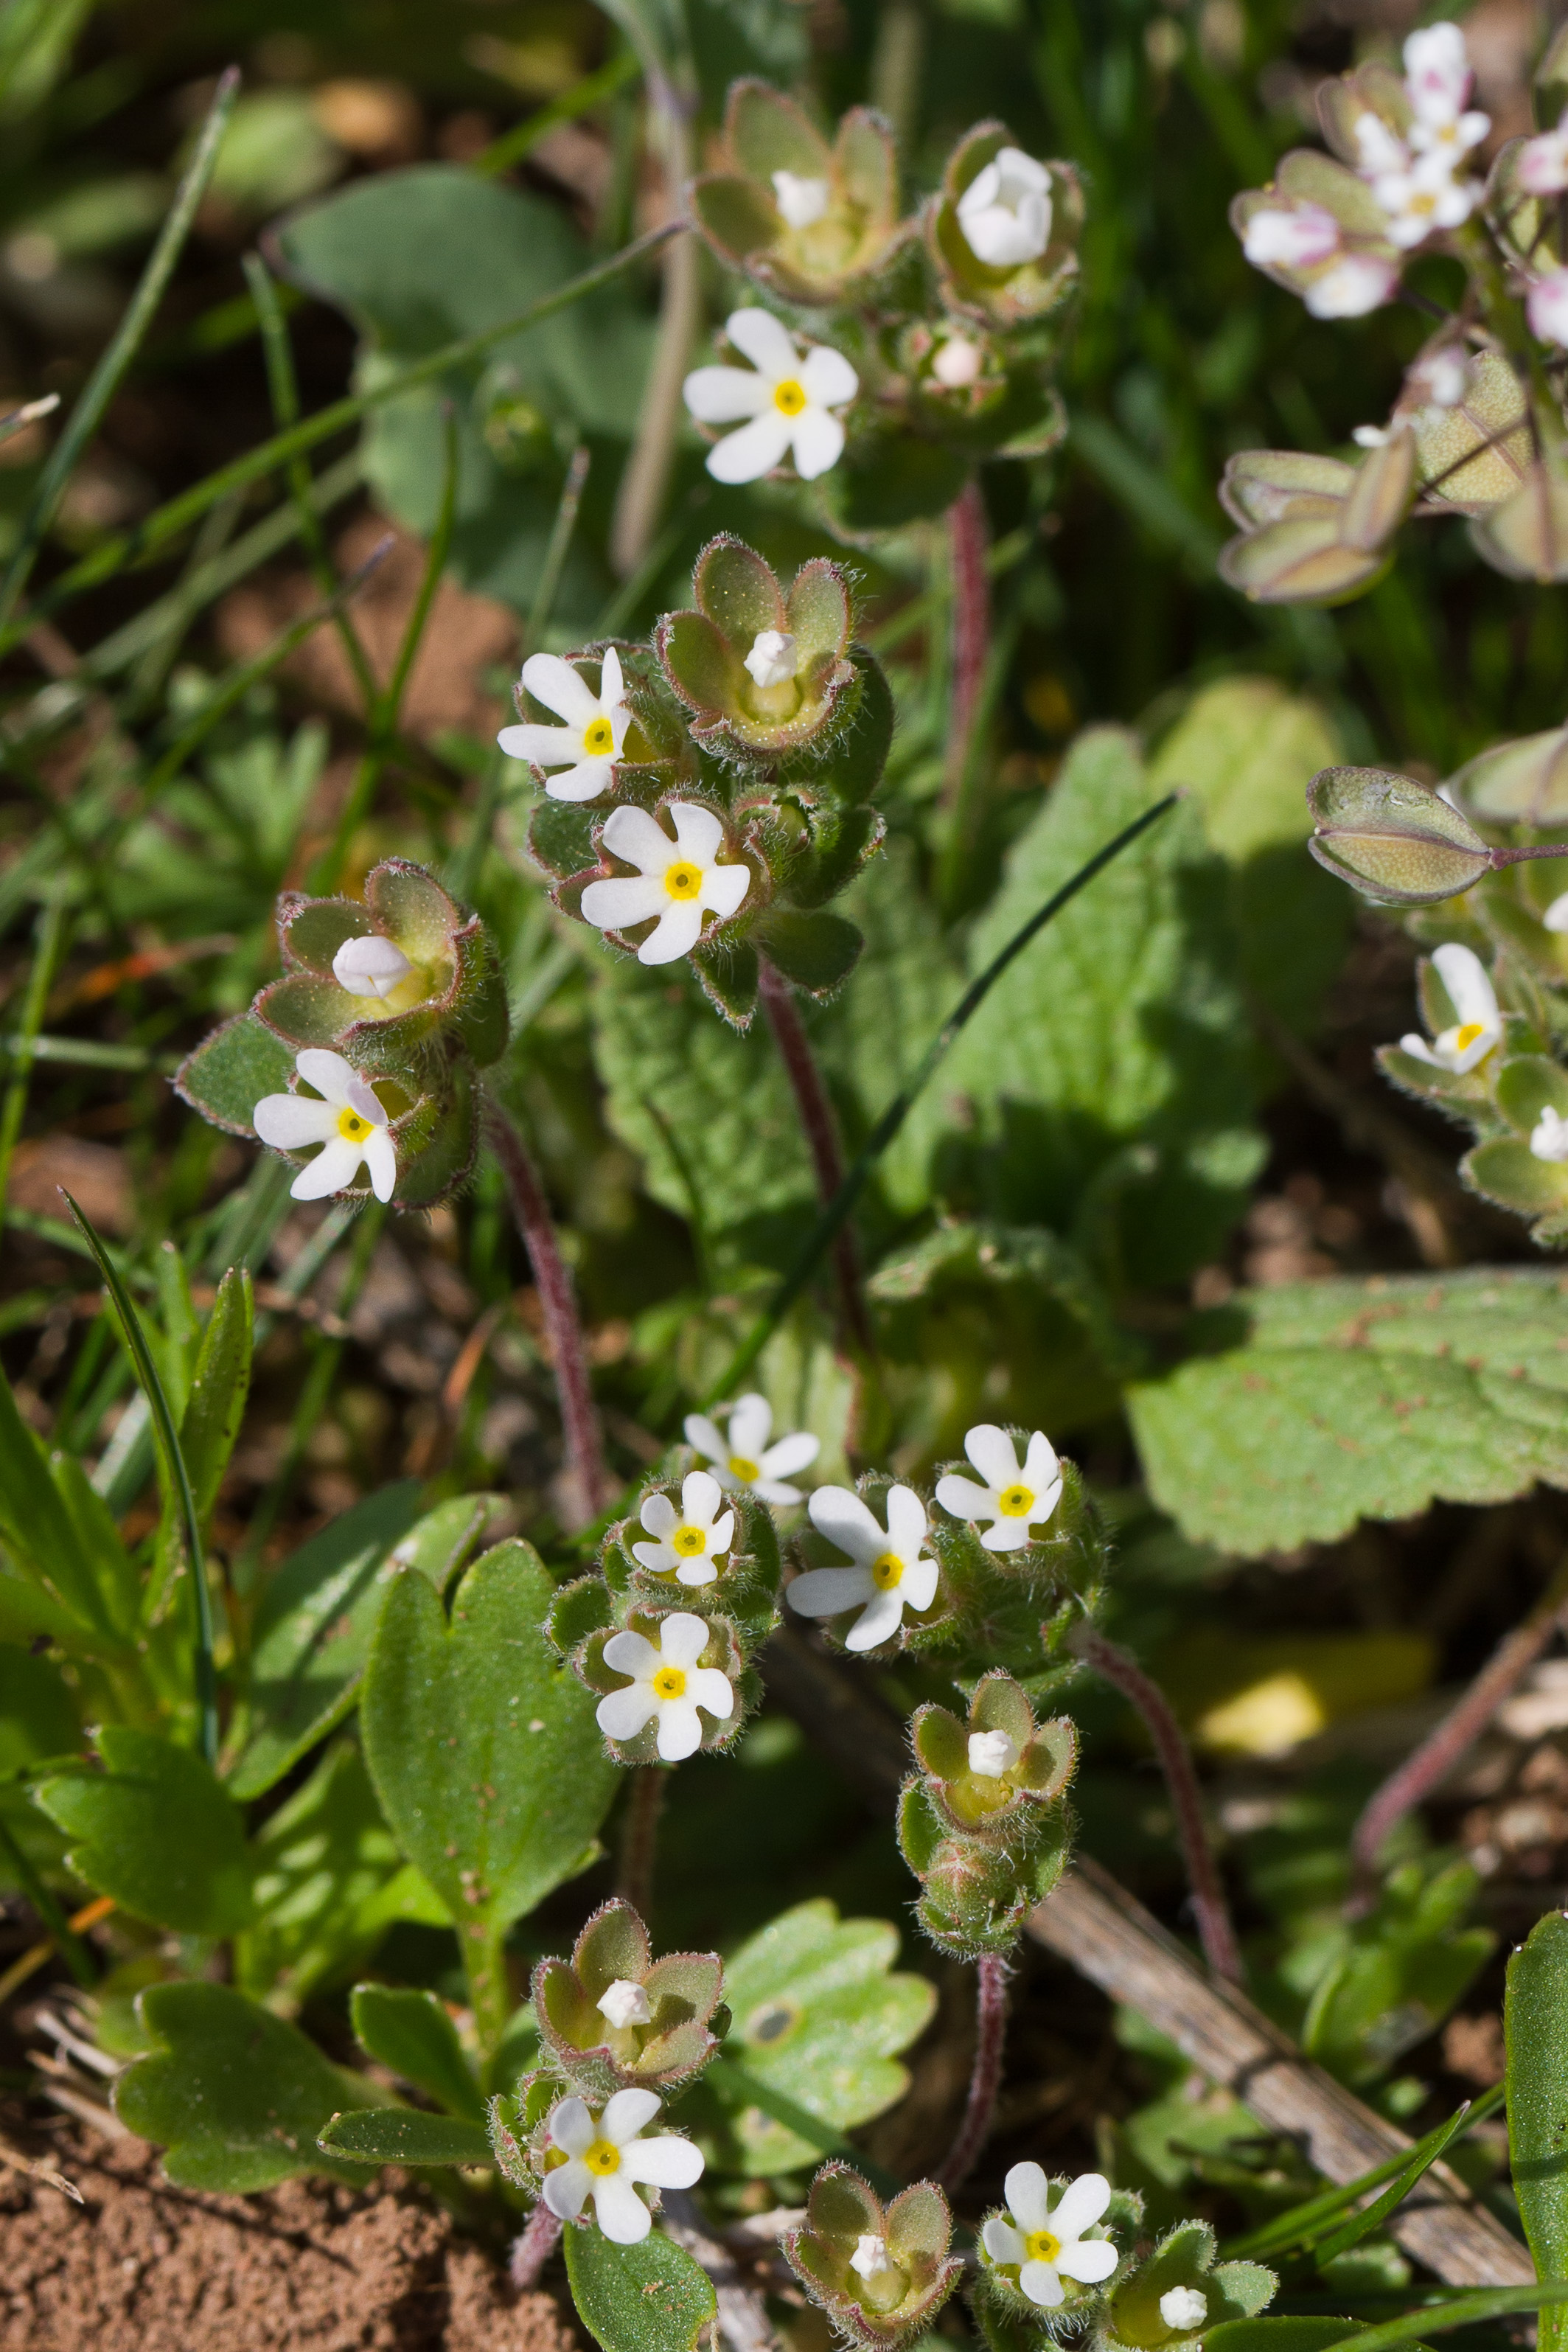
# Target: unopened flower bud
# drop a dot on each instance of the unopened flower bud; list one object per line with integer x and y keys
{"x": 802, "y": 201}
{"x": 1184, "y": 2307}
{"x": 1393, "y": 839}
{"x": 957, "y": 364}
{"x": 1547, "y": 306}
{"x": 624, "y": 2003}
{"x": 1291, "y": 240}
{"x": 370, "y": 967}
{"x": 772, "y": 658}
{"x": 992, "y": 1754}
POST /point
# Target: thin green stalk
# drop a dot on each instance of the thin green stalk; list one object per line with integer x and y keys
{"x": 524, "y": 137}
{"x": 464, "y": 870}
{"x": 177, "y": 1478}
{"x": 105, "y": 380}
{"x": 565, "y": 523}
{"x": 72, "y": 1949}
{"x": 23, "y": 1045}
{"x": 141, "y": 545}
{"x": 489, "y": 1984}
{"x": 1464, "y": 2311}
{"x": 819, "y": 1239}
{"x": 151, "y": 671}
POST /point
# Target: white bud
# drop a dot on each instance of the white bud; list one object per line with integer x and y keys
{"x": 959, "y": 363}
{"x": 1005, "y": 212}
{"x": 869, "y": 2260}
{"x": 370, "y": 967}
{"x": 1292, "y": 240}
{"x": 771, "y": 660}
{"x": 802, "y": 201}
{"x": 625, "y": 2003}
{"x": 991, "y": 1753}
{"x": 1184, "y": 2307}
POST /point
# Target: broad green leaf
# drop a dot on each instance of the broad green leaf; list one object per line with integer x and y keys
{"x": 1535, "y": 2025}
{"x": 235, "y": 2097}
{"x": 820, "y": 2018}
{"x": 1319, "y": 1404}
{"x": 1110, "y": 1068}
{"x": 37, "y": 1715}
{"x": 650, "y": 2297}
{"x": 408, "y": 2029}
{"x": 219, "y": 1386}
{"x": 330, "y": 1882}
{"x": 1398, "y": 1974}
{"x": 313, "y": 1635}
{"x": 483, "y": 1750}
{"x": 405, "y": 2135}
{"x": 155, "y": 1830}
{"x": 230, "y": 1071}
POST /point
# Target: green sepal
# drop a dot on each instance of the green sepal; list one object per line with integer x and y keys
{"x": 1529, "y": 1084}
{"x": 1506, "y": 1171}
{"x": 886, "y": 480}
{"x": 728, "y": 974}
{"x": 448, "y": 1141}
{"x": 852, "y": 760}
{"x": 305, "y": 1009}
{"x": 410, "y": 907}
{"x": 577, "y": 1611}
{"x": 842, "y": 842}
{"x": 405, "y": 2136}
{"x": 479, "y": 995}
{"x": 560, "y": 838}
{"x": 816, "y": 949}
{"x": 312, "y": 931}
{"x": 228, "y": 1072}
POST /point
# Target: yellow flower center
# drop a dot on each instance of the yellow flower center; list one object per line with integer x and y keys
{"x": 1422, "y": 204}
{"x": 790, "y": 398}
{"x": 351, "y": 1126}
{"x": 670, "y": 1683}
{"x": 689, "y": 1542}
{"x": 598, "y": 738}
{"x": 1042, "y": 2246}
{"x": 887, "y": 1571}
{"x": 1015, "y": 1502}
{"x": 604, "y": 2157}
{"x": 739, "y": 1467}
{"x": 1463, "y": 1038}
{"x": 682, "y": 881}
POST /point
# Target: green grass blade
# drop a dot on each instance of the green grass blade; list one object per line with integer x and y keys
{"x": 1436, "y": 2319}
{"x": 1304, "y": 2222}
{"x": 21, "y": 1046}
{"x": 1431, "y": 2147}
{"x": 590, "y": 91}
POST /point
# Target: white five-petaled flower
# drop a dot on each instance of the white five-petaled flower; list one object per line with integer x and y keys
{"x": 666, "y": 1682}
{"x": 1185, "y": 2307}
{"x": 1005, "y": 211}
{"x": 678, "y": 880}
{"x": 742, "y": 1460}
{"x": 1549, "y": 1137}
{"x": 690, "y": 1541}
{"x": 1015, "y": 1500}
{"x": 1049, "y": 2244}
{"x": 1438, "y": 76}
{"x": 590, "y": 743}
{"x": 800, "y": 199}
{"x": 606, "y": 2154}
{"x": 372, "y": 966}
{"x": 1543, "y": 166}
{"x": 1546, "y": 305}
{"x": 772, "y": 658}
{"x": 1479, "y": 1025}
{"x": 1299, "y": 239}
{"x": 348, "y": 1120}
{"x": 624, "y": 2003}
{"x": 890, "y": 1573}
{"x": 790, "y": 401}
{"x": 992, "y": 1754}
{"x": 1420, "y": 194}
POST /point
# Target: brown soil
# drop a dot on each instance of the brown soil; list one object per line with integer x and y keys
{"x": 140, "y": 2266}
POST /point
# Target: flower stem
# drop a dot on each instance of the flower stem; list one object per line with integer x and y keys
{"x": 966, "y": 538}
{"x": 640, "y": 1837}
{"x": 986, "y": 2076}
{"x": 1429, "y": 1765}
{"x": 821, "y": 1131}
{"x": 489, "y": 1980}
{"x": 563, "y": 1327}
{"x": 532, "y": 2250}
{"x": 1214, "y": 1931}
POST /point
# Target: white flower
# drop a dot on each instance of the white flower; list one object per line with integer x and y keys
{"x": 1556, "y": 915}
{"x": 1014, "y": 1500}
{"x": 1005, "y": 211}
{"x": 886, "y": 2284}
{"x": 1549, "y": 1137}
{"x": 667, "y": 1683}
{"x": 678, "y": 880}
{"x": 1543, "y": 166}
{"x": 349, "y": 1119}
{"x": 957, "y": 363}
{"x": 890, "y": 1571}
{"x": 370, "y": 967}
{"x": 742, "y": 1460}
{"x": 1356, "y": 284}
{"x": 1423, "y": 198}
{"x": 1381, "y": 150}
{"x": 1547, "y": 305}
{"x": 789, "y": 399}
{"x": 1373, "y": 436}
{"x": 800, "y": 200}
{"x": 869, "y": 2260}
{"x": 624, "y": 2003}
{"x": 992, "y": 1754}
{"x": 1438, "y": 77}
{"x": 1479, "y": 1025}
{"x": 590, "y": 743}
{"x": 1048, "y": 2246}
{"x": 690, "y": 1540}
{"x": 1292, "y": 240}
{"x": 771, "y": 660}
{"x": 1184, "y": 2307}
{"x": 1440, "y": 379}
{"x": 606, "y": 2154}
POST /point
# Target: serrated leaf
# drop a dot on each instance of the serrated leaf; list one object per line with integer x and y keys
{"x": 234, "y": 2095}
{"x": 230, "y": 1071}
{"x": 1535, "y": 2025}
{"x": 405, "y": 2136}
{"x": 155, "y": 1830}
{"x": 650, "y": 2297}
{"x": 407, "y": 2028}
{"x": 1328, "y": 1401}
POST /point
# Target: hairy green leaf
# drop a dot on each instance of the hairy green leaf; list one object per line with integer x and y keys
{"x": 155, "y": 1830}
{"x": 650, "y": 2297}
{"x": 230, "y": 1071}
{"x": 405, "y": 2135}
{"x": 408, "y": 2029}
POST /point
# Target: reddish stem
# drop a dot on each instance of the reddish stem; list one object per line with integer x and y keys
{"x": 966, "y": 541}
{"x": 557, "y": 1303}
{"x": 986, "y": 2075}
{"x": 821, "y": 1131}
{"x": 532, "y": 2249}
{"x": 1429, "y": 1765}
{"x": 1214, "y": 1931}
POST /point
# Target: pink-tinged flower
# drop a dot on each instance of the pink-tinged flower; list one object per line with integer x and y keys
{"x": 1438, "y": 76}
{"x": 348, "y": 1121}
{"x": 1543, "y": 166}
{"x": 789, "y": 399}
{"x": 679, "y": 880}
{"x": 1423, "y": 198}
{"x": 606, "y": 2154}
{"x": 1299, "y": 239}
{"x": 1357, "y": 283}
{"x": 1547, "y": 307}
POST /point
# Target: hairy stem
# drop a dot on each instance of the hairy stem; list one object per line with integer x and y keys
{"x": 1214, "y": 1931}
{"x": 986, "y": 2076}
{"x": 966, "y": 541}
{"x": 640, "y": 1837}
{"x": 1429, "y": 1764}
{"x": 563, "y": 1327}
{"x": 532, "y": 2250}
{"x": 821, "y": 1130}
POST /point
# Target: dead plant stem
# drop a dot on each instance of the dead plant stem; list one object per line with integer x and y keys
{"x": 821, "y": 1130}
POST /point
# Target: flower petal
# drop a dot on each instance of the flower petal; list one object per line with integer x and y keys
{"x": 827, "y": 376}
{"x": 766, "y": 341}
{"x": 566, "y": 2189}
{"x": 695, "y": 1573}
{"x": 1082, "y": 2203}
{"x": 1006, "y": 1535}
{"x": 774, "y": 1490}
{"x": 724, "y": 887}
{"x": 659, "y": 1559}
{"x": 680, "y": 1732}
{"x": 381, "y": 1162}
{"x": 1028, "y": 2197}
{"x": 1088, "y": 2259}
{"x": 817, "y": 441}
{"x": 1418, "y": 1049}
{"x": 558, "y": 687}
{"x": 1465, "y": 977}
{"x": 755, "y": 450}
{"x": 615, "y": 904}
{"x": 676, "y": 934}
{"x": 846, "y": 1521}
{"x": 668, "y": 2162}
{"x": 623, "y": 1713}
{"x": 1041, "y": 2285}
{"x": 627, "y": 2114}
{"x": 701, "y": 1495}
{"x": 542, "y": 747}
{"x": 749, "y": 1426}
{"x": 825, "y": 1591}
{"x": 699, "y": 832}
{"x": 918, "y": 1587}
{"x": 993, "y": 1453}
{"x": 722, "y": 396}
{"x": 682, "y": 1638}
{"x": 963, "y": 1498}
{"x": 629, "y": 1653}
{"x": 797, "y": 1452}
{"x": 328, "y": 1073}
{"x": 1002, "y": 2242}
{"x": 1042, "y": 1467}
{"x": 905, "y": 1520}
{"x": 334, "y": 1170}
{"x": 721, "y": 1535}
{"x": 610, "y": 683}
{"x": 587, "y": 782}
{"x": 713, "y": 1692}
{"x": 878, "y": 1620}
{"x": 571, "y": 2126}
{"x": 638, "y": 838}
{"x": 620, "y": 2212}
{"x": 706, "y": 1436}
{"x": 659, "y": 1514}
{"x": 287, "y": 1121}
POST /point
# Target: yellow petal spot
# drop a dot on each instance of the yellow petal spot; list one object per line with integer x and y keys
{"x": 682, "y": 881}
{"x": 1015, "y": 1502}
{"x": 604, "y": 2157}
{"x": 790, "y": 398}
{"x": 670, "y": 1683}
{"x": 1042, "y": 2246}
{"x": 690, "y": 1542}
{"x": 1465, "y": 1037}
{"x": 599, "y": 739}
{"x": 747, "y": 1472}
{"x": 351, "y": 1126}
{"x": 887, "y": 1571}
